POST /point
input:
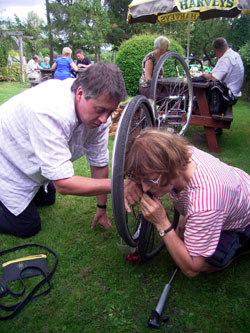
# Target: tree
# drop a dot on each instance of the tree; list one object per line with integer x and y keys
{"x": 79, "y": 24}
{"x": 240, "y": 33}
{"x": 202, "y": 35}
{"x": 32, "y": 29}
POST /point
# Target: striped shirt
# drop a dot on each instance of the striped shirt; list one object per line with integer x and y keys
{"x": 216, "y": 198}
{"x": 40, "y": 137}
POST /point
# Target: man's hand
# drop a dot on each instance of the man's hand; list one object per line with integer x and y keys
{"x": 102, "y": 218}
{"x": 132, "y": 194}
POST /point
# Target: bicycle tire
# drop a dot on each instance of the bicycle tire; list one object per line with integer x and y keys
{"x": 150, "y": 242}
{"x": 172, "y": 103}
{"x": 137, "y": 115}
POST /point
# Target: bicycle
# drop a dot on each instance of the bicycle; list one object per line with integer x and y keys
{"x": 170, "y": 107}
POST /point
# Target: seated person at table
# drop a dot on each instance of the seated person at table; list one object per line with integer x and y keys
{"x": 161, "y": 45}
{"x": 212, "y": 197}
{"x": 64, "y": 64}
{"x": 33, "y": 69}
{"x": 45, "y": 63}
{"x": 229, "y": 69}
{"x": 82, "y": 62}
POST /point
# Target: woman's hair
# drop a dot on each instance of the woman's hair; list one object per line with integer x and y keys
{"x": 157, "y": 151}
{"x": 66, "y": 51}
{"x": 161, "y": 43}
{"x": 101, "y": 78}
{"x": 46, "y": 58}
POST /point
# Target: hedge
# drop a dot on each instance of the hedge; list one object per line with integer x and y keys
{"x": 245, "y": 54}
{"x": 130, "y": 55}
{"x": 11, "y": 73}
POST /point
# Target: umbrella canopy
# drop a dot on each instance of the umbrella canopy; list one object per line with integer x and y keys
{"x": 165, "y": 11}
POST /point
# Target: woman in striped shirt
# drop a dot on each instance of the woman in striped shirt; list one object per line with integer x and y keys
{"x": 212, "y": 197}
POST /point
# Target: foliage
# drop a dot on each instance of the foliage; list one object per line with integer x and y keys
{"x": 79, "y": 24}
{"x": 94, "y": 288}
{"x": 4, "y": 52}
{"x": 240, "y": 32}
{"x": 10, "y": 73}
{"x": 245, "y": 54}
{"x": 130, "y": 55}
{"x": 202, "y": 35}
{"x": 122, "y": 31}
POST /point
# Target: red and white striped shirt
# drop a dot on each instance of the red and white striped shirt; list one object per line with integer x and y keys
{"x": 217, "y": 198}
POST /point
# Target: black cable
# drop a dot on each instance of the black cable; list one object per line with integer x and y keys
{"x": 16, "y": 308}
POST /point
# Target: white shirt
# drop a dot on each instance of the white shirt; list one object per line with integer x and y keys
{"x": 32, "y": 66}
{"x": 40, "y": 136}
{"x": 230, "y": 69}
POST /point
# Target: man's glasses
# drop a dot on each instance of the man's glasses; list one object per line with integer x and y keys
{"x": 145, "y": 180}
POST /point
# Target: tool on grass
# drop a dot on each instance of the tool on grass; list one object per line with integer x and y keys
{"x": 154, "y": 320}
{"x": 21, "y": 268}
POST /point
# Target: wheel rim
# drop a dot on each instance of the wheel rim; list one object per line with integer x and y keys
{"x": 136, "y": 116}
{"x": 173, "y": 93}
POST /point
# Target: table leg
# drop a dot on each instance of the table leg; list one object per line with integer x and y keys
{"x": 200, "y": 94}
{"x": 211, "y": 140}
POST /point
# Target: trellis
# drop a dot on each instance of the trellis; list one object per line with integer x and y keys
{"x": 17, "y": 36}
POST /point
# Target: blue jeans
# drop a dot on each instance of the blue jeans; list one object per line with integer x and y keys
{"x": 229, "y": 243}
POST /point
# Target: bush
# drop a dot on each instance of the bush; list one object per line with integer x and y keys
{"x": 130, "y": 55}
{"x": 245, "y": 54}
{"x": 11, "y": 73}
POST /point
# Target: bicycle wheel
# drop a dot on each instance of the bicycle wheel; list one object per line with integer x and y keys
{"x": 150, "y": 243}
{"x": 172, "y": 93}
{"x": 136, "y": 116}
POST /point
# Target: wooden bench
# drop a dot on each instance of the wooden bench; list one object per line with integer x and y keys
{"x": 210, "y": 123}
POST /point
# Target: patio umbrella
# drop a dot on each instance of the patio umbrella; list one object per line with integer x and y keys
{"x": 164, "y": 11}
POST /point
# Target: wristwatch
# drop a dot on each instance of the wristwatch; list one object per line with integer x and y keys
{"x": 162, "y": 233}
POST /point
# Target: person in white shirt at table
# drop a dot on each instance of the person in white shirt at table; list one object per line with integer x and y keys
{"x": 33, "y": 69}
{"x": 41, "y": 137}
{"x": 229, "y": 67}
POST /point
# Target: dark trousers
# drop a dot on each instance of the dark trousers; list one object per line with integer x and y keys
{"x": 28, "y": 223}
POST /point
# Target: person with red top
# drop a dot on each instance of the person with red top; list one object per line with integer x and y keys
{"x": 213, "y": 200}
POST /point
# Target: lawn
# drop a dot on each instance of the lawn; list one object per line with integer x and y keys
{"x": 96, "y": 290}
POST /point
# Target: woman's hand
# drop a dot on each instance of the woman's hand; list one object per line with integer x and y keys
{"x": 154, "y": 212}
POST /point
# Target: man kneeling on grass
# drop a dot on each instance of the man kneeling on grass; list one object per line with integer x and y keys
{"x": 212, "y": 197}
{"x": 41, "y": 136}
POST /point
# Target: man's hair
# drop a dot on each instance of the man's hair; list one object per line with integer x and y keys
{"x": 35, "y": 57}
{"x": 220, "y": 43}
{"x": 79, "y": 51}
{"x": 161, "y": 43}
{"x": 66, "y": 51}
{"x": 101, "y": 78}
{"x": 157, "y": 151}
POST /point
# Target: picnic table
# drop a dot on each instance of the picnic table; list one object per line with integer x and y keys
{"x": 206, "y": 119}
{"x": 46, "y": 74}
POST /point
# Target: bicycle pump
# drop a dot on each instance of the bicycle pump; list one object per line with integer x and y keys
{"x": 154, "y": 320}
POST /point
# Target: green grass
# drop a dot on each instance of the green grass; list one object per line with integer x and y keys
{"x": 96, "y": 290}
{"x": 10, "y": 89}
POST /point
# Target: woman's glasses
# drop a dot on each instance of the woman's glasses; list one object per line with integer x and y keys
{"x": 145, "y": 180}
